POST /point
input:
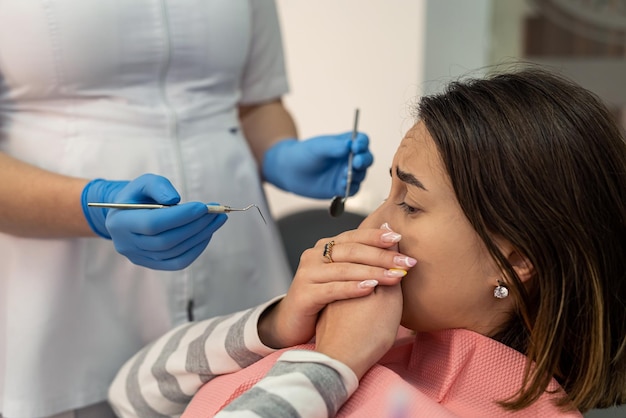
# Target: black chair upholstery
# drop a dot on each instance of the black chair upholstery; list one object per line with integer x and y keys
{"x": 301, "y": 230}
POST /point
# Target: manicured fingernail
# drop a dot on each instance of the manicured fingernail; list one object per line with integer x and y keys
{"x": 368, "y": 283}
{"x": 391, "y": 237}
{"x": 407, "y": 261}
{"x": 395, "y": 273}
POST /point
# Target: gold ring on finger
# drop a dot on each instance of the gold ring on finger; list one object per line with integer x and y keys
{"x": 328, "y": 251}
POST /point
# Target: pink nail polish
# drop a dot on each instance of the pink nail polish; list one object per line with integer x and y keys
{"x": 391, "y": 237}
{"x": 368, "y": 283}
{"x": 404, "y": 260}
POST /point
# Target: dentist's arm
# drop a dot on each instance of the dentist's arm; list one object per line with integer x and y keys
{"x": 266, "y": 124}
{"x": 38, "y": 203}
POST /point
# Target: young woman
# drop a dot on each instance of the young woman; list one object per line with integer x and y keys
{"x": 507, "y": 219}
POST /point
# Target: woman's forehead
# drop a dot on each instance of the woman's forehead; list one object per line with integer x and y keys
{"x": 418, "y": 155}
{"x": 416, "y": 148}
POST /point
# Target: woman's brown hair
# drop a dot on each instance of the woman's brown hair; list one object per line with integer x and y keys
{"x": 540, "y": 161}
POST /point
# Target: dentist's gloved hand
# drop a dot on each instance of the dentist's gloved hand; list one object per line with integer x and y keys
{"x": 160, "y": 239}
{"x": 318, "y": 167}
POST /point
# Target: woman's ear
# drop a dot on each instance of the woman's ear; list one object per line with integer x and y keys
{"x": 521, "y": 264}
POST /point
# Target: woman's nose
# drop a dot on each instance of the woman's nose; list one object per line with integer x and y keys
{"x": 376, "y": 218}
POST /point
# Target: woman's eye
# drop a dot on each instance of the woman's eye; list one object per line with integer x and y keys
{"x": 408, "y": 209}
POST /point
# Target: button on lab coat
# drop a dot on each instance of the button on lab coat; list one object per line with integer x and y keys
{"x": 115, "y": 89}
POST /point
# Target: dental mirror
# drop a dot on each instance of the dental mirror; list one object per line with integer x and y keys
{"x": 337, "y": 205}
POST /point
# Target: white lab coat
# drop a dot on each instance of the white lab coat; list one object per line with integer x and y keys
{"x": 114, "y": 89}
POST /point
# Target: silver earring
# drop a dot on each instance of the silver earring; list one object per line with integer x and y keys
{"x": 501, "y": 291}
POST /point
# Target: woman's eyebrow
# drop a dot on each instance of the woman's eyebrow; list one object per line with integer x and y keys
{"x": 409, "y": 179}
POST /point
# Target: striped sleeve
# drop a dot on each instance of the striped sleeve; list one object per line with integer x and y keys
{"x": 161, "y": 379}
{"x": 303, "y": 384}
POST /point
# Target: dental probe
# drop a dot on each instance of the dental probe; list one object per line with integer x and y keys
{"x": 210, "y": 208}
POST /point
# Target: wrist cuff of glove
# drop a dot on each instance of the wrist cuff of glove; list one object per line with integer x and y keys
{"x": 99, "y": 190}
{"x": 272, "y": 162}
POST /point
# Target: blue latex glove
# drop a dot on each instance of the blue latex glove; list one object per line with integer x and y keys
{"x": 318, "y": 167}
{"x": 161, "y": 239}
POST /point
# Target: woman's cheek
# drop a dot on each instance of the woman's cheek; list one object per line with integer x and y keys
{"x": 408, "y": 244}
{"x": 408, "y": 319}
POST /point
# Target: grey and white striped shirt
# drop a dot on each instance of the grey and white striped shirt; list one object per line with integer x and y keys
{"x": 161, "y": 379}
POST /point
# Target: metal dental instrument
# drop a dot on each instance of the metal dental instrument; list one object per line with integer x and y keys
{"x": 337, "y": 205}
{"x": 210, "y": 208}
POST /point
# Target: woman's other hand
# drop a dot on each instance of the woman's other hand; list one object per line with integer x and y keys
{"x": 358, "y": 332}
